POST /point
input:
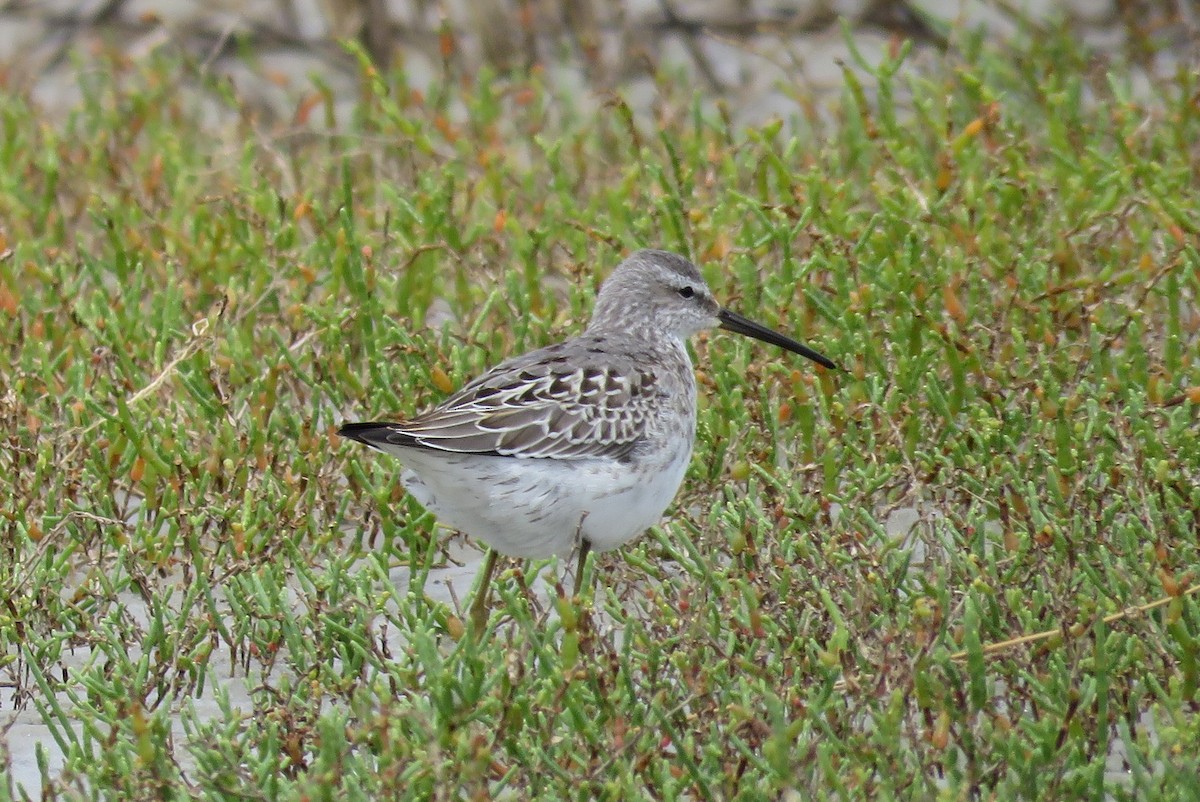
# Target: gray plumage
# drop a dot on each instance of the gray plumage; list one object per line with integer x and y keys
{"x": 583, "y": 441}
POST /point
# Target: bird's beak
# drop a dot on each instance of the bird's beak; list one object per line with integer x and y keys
{"x": 732, "y": 321}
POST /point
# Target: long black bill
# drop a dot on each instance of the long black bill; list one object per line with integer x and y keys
{"x": 732, "y": 321}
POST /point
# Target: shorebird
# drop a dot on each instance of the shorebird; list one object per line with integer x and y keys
{"x": 581, "y": 444}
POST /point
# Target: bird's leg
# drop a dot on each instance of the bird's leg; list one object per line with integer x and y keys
{"x": 479, "y": 604}
{"x": 585, "y": 546}
{"x": 585, "y": 620}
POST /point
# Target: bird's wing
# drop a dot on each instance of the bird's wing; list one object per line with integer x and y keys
{"x": 540, "y": 405}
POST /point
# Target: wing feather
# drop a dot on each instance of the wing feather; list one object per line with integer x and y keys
{"x": 541, "y": 405}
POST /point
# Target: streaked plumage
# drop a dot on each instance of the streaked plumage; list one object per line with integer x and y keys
{"x": 581, "y": 443}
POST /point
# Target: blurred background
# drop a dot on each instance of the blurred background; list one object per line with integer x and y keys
{"x": 763, "y": 58}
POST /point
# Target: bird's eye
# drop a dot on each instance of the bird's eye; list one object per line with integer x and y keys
{"x": 686, "y": 292}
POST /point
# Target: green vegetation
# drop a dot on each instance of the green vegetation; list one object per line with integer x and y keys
{"x": 1007, "y": 266}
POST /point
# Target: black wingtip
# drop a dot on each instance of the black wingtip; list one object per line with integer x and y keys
{"x": 366, "y": 433}
{"x": 378, "y": 434}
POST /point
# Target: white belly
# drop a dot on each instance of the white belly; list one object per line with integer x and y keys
{"x": 536, "y": 508}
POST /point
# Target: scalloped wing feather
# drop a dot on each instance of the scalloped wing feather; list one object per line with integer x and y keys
{"x": 543, "y": 406}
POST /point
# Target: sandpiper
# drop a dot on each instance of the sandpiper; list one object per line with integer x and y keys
{"x": 581, "y": 444}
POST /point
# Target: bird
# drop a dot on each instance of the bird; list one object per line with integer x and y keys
{"x": 580, "y": 445}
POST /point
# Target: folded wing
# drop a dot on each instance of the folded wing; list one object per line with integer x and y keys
{"x": 542, "y": 405}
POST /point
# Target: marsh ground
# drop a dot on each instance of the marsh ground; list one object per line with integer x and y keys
{"x": 1006, "y": 263}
